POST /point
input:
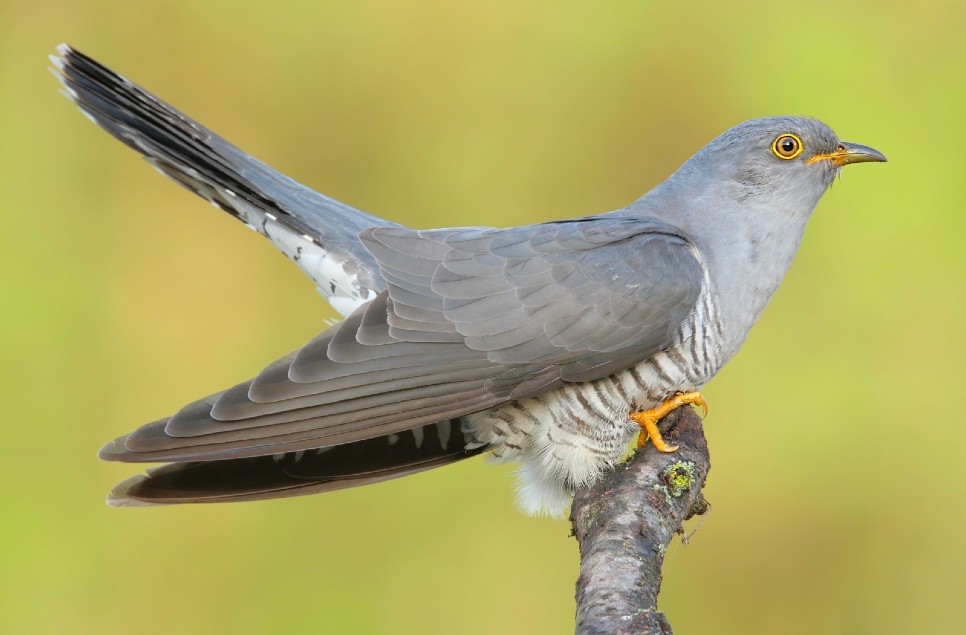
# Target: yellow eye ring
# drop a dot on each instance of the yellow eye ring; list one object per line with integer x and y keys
{"x": 787, "y": 146}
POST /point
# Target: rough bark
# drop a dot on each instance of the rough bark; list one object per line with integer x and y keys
{"x": 625, "y": 523}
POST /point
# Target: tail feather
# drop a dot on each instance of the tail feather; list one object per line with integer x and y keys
{"x": 318, "y": 233}
{"x": 297, "y": 473}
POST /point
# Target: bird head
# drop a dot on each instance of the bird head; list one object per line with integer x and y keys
{"x": 752, "y": 189}
{"x": 789, "y": 160}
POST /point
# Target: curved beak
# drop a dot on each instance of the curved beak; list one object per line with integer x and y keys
{"x": 848, "y": 153}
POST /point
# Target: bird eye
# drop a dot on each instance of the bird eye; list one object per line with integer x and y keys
{"x": 787, "y": 146}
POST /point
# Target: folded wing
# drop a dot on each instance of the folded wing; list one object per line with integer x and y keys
{"x": 471, "y": 318}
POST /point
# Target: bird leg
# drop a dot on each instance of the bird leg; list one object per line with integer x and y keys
{"x": 648, "y": 419}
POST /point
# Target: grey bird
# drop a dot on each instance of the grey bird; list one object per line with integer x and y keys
{"x": 552, "y": 345}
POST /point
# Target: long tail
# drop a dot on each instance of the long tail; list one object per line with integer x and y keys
{"x": 297, "y": 473}
{"x": 318, "y": 233}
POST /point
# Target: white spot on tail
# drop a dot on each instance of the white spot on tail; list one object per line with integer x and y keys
{"x": 418, "y": 434}
{"x": 444, "y": 429}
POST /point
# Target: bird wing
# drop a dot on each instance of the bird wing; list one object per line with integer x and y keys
{"x": 318, "y": 233}
{"x": 471, "y": 318}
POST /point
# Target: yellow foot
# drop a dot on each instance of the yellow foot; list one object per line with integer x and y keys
{"x": 648, "y": 419}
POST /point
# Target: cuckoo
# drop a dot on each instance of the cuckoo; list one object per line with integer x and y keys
{"x": 551, "y": 344}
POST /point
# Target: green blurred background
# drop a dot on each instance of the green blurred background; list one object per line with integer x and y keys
{"x": 836, "y": 434}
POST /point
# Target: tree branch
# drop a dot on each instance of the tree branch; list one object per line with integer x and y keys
{"x": 624, "y": 524}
